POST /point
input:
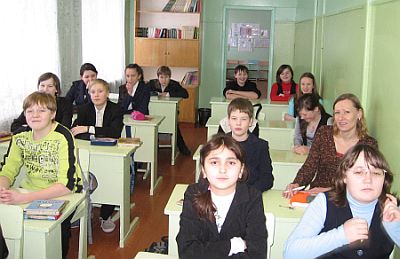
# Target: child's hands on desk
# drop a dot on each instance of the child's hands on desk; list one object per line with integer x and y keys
{"x": 12, "y": 196}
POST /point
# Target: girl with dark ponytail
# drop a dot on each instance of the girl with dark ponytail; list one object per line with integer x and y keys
{"x": 222, "y": 216}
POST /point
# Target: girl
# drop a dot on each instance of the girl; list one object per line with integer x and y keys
{"x": 134, "y": 95}
{"x": 285, "y": 87}
{"x": 241, "y": 86}
{"x": 48, "y": 152}
{"x": 222, "y": 216}
{"x": 331, "y": 143}
{"x": 312, "y": 116}
{"x": 101, "y": 118}
{"x": 307, "y": 85}
{"x": 48, "y": 83}
{"x": 346, "y": 222}
{"x": 78, "y": 93}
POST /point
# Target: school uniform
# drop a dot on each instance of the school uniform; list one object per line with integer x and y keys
{"x": 138, "y": 102}
{"x": 199, "y": 237}
{"x": 248, "y": 87}
{"x": 78, "y": 94}
{"x": 63, "y": 116}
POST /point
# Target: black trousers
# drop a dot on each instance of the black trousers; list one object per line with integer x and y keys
{"x": 65, "y": 235}
{"x": 106, "y": 211}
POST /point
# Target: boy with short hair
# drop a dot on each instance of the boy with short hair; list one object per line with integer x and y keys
{"x": 49, "y": 154}
{"x": 241, "y": 87}
{"x": 165, "y": 86}
{"x": 258, "y": 160}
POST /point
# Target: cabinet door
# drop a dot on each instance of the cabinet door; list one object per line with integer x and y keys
{"x": 182, "y": 53}
{"x": 188, "y": 107}
{"x": 150, "y": 52}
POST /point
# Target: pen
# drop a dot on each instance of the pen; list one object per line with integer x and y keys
{"x": 295, "y": 189}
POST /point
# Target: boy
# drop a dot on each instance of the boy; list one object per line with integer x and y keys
{"x": 258, "y": 160}
{"x": 48, "y": 152}
{"x": 241, "y": 86}
{"x": 101, "y": 118}
{"x": 165, "y": 86}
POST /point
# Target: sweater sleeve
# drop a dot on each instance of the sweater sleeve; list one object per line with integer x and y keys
{"x": 66, "y": 113}
{"x": 13, "y": 161}
{"x": 305, "y": 241}
{"x": 227, "y": 87}
{"x": 264, "y": 167}
{"x": 393, "y": 229}
{"x": 273, "y": 96}
{"x": 176, "y": 90}
{"x": 297, "y": 139}
{"x": 291, "y": 106}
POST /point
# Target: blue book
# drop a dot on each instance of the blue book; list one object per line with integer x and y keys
{"x": 103, "y": 141}
{"x": 45, "y": 207}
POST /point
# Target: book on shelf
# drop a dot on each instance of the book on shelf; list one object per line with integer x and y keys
{"x": 182, "y": 6}
{"x": 169, "y": 5}
{"x": 190, "y": 78}
{"x": 45, "y": 207}
{"x": 128, "y": 142}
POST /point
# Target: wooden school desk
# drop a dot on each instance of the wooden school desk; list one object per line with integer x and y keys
{"x": 272, "y": 110}
{"x": 285, "y": 219}
{"x": 278, "y": 133}
{"x": 147, "y": 131}
{"x": 168, "y": 107}
{"x": 111, "y": 166}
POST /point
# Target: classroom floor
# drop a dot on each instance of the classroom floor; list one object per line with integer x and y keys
{"x": 153, "y": 224}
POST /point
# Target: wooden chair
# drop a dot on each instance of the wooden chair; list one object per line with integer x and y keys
{"x": 270, "y": 221}
{"x": 12, "y": 224}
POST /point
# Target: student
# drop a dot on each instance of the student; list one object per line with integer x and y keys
{"x": 311, "y": 117}
{"x": 165, "y": 86}
{"x": 78, "y": 93}
{"x": 134, "y": 95}
{"x": 258, "y": 160}
{"x": 241, "y": 86}
{"x": 307, "y": 85}
{"x": 100, "y": 118}
{"x": 346, "y": 222}
{"x": 222, "y": 217}
{"x": 48, "y": 83}
{"x": 49, "y": 154}
{"x": 331, "y": 143}
{"x": 284, "y": 87}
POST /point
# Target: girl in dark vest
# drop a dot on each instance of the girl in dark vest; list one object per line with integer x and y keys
{"x": 312, "y": 115}
{"x": 347, "y": 221}
{"x": 284, "y": 87}
{"x": 222, "y": 216}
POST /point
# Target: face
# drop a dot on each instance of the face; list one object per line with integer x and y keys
{"x": 88, "y": 76}
{"x": 240, "y": 123}
{"x": 307, "y": 115}
{"x": 222, "y": 169}
{"x": 132, "y": 76}
{"x": 98, "y": 94}
{"x": 48, "y": 86}
{"x": 346, "y": 116}
{"x": 241, "y": 77}
{"x": 164, "y": 80}
{"x": 364, "y": 182}
{"x": 306, "y": 85}
{"x": 286, "y": 75}
{"x": 39, "y": 117}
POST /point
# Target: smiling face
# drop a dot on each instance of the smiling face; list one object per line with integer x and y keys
{"x": 346, "y": 116}
{"x": 286, "y": 75}
{"x": 48, "y": 86}
{"x": 222, "y": 170}
{"x": 241, "y": 77}
{"x": 364, "y": 182}
{"x": 88, "y": 76}
{"x": 239, "y": 122}
{"x": 39, "y": 117}
{"x": 98, "y": 94}
{"x": 306, "y": 85}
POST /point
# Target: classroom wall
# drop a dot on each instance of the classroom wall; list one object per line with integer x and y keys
{"x": 212, "y": 40}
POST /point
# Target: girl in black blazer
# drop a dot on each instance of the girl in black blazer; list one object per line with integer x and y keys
{"x": 134, "y": 95}
{"x": 222, "y": 216}
{"x": 100, "y": 118}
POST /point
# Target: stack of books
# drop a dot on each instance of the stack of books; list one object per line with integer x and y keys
{"x": 128, "y": 142}
{"x": 182, "y": 6}
{"x": 5, "y": 136}
{"x": 191, "y": 78}
{"x": 45, "y": 209}
{"x": 187, "y": 32}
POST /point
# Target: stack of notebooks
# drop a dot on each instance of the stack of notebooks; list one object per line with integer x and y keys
{"x": 301, "y": 199}
{"x": 45, "y": 209}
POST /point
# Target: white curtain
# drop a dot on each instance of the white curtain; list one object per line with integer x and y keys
{"x": 28, "y": 48}
{"x": 103, "y": 40}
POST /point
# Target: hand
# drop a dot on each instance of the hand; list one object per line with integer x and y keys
{"x": 163, "y": 94}
{"x": 288, "y": 193}
{"x": 288, "y": 117}
{"x": 356, "y": 229}
{"x": 390, "y": 210}
{"x": 129, "y": 88}
{"x": 12, "y": 196}
{"x": 316, "y": 190}
{"x": 79, "y": 130}
{"x": 301, "y": 150}
{"x": 281, "y": 95}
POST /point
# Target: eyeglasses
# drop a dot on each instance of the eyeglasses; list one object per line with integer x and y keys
{"x": 361, "y": 173}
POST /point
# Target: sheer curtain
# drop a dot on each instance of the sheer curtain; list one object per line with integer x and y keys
{"x": 103, "y": 40}
{"x": 28, "y": 48}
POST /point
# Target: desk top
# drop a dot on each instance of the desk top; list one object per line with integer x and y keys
{"x": 154, "y": 121}
{"x": 286, "y": 156}
{"x": 277, "y": 124}
{"x": 272, "y": 200}
{"x": 165, "y": 99}
{"x": 223, "y": 100}
{"x": 107, "y": 150}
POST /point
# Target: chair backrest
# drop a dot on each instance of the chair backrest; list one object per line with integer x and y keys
{"x": 12, "y": 225}
{"x": 270, "y": 221}
{"x": 84, "y": 163}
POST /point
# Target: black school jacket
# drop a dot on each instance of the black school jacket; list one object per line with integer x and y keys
{"x": 112, "y": 120}
{"x": 199, "y": 238}
{"x": 173, "y": 88}
{"x": 140, "y": 100}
